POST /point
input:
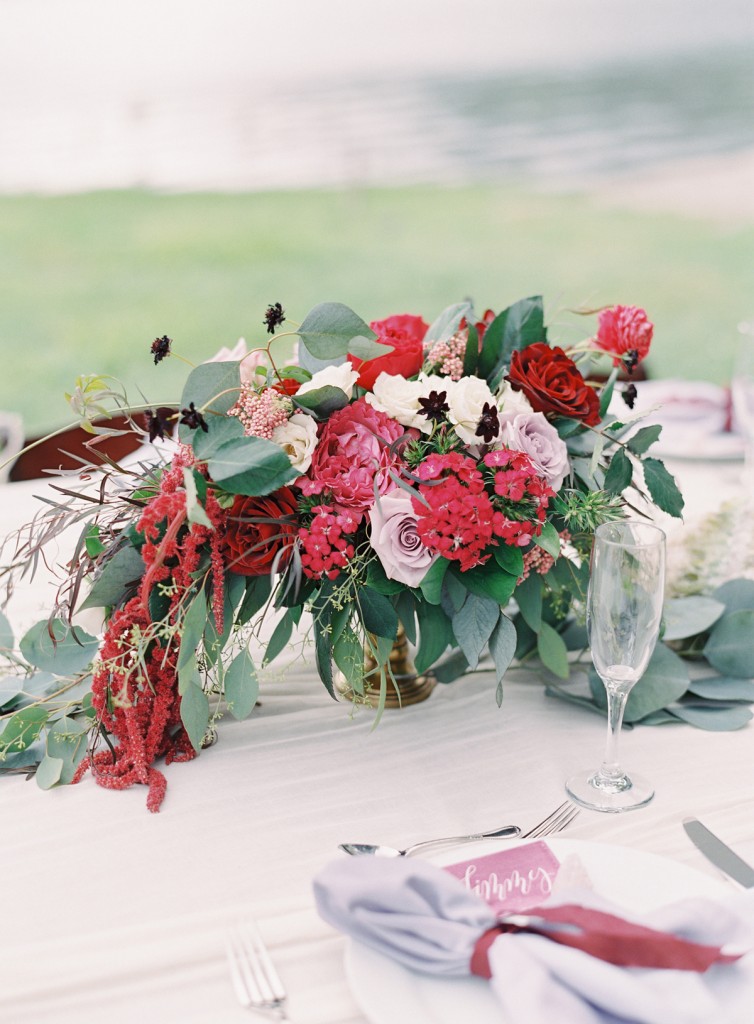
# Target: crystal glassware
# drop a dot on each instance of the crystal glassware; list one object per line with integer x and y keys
{"x": 624, "y": 611}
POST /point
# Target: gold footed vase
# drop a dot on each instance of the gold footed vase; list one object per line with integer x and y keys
{"x": 403, "y": 684}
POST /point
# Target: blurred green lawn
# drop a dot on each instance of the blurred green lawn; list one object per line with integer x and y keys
{"x": 88, "y": 281}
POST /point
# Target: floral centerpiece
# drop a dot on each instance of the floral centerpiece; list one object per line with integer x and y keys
{"x": 396, "y": 475}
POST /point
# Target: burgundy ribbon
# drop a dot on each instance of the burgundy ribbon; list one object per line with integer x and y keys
{"x": 607, "y": 937}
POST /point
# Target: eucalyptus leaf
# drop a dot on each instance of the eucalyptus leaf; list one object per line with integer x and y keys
{"x": 473, "y": 624}
{"x": 405, "y": 605}
{"x": 529, "y": 600}
{"x": 435, "y": 635}
{"x": 119, "y": 575}
{"x": 451, "y": 668}
{"x": 195, "y": 714}
{"x": 220, "y": 430}
{"x": 713, "y": 719}
{"x": 322, "y": 401}
{"x": 194, "y": 510}
{"x": 67, "y": 740}
{"x": 366, "y": 348}
{"x": 730, "y": 647}
{"x": 687, "y": 616}
{"x": 279, "y": 639}
{"x": 723, "y": 688}
{"x": 327, "y": 330}
{"x": 6, "y": 634}
{"x": 323, "y": 651}
{"x": 49, "y": 772}
{"x": 72, "y": 651}
{"x": 448, "y": 322}
{"x": 549, "y": 540}
{"x": 10, "y": 689}
{"x": 251, "y": 466}
{"x": 552, "y": 650}
{"x": 736, "y": 594}
{"x": 192, "y": 629}
{"x": 377, "y": 580}
{"x": 213, "y": 388}
{"x": 665, "y": 680}
{"x": 348, "y": 652}
{"x": 241, "y": 685}
{"x": 22, "y": 729}
{"x": 503, "y": 641}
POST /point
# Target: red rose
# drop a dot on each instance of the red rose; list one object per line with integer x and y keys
{"x": 257, "y": 529}
{"x": 552, "y": 383}
{"x": 624, "y": 329}
{"x": 405, "y": 334}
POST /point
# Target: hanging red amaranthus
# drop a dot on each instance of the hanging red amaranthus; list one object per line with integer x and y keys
{"x": 135, "y": 684}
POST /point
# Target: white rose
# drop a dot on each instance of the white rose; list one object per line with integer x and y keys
{"x": 399, "y": 398}
{"x": 466, "y": 399}
{"x": 298, "y": 439}
{"x": 343, "y": 377}
{"x": 510, "y": 400}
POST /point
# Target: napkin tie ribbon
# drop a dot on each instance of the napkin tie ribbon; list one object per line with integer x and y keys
{"x": 605, "y": 936}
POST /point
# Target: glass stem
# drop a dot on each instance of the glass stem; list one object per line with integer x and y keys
{"x": 616, "y": 705}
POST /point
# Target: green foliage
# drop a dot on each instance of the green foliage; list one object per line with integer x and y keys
{"x": 54, "y": 647}
{"x": 241, "y": 685}
{"x": 473, "y": 624}
{"x": 327, "y": 331}
{"x": 250, "y": 466}
{"x": 520, "y": 325}
{"x": 195, "y": 714}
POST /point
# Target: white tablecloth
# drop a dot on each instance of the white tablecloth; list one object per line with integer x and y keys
{"x": 112, "y": 913}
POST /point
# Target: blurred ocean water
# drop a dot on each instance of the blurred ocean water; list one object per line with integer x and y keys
{"x": 563, "y": 123}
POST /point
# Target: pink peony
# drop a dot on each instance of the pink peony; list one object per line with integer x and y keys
{"x": 352, "y": 455}
{"x": 624, "y": 329}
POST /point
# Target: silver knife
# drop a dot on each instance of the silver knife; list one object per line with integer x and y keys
{"x": 718, "y": 853}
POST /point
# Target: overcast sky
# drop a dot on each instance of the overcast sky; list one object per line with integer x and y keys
{"x": 146, "y": 44}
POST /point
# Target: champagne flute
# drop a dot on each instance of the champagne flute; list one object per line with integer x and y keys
{"x": 624, "y": 610}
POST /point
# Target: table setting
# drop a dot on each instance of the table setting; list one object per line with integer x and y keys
{"x": 217, "y": 803}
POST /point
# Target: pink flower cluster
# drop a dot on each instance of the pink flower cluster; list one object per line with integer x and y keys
{"x": 325, "y": 547}
{"x": 446, "y": 357}
{"x": 354, "y": 454}
{"x": 261, "y": 411}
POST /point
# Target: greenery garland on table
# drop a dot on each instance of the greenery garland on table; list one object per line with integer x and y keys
{"x": 396, "y": 475}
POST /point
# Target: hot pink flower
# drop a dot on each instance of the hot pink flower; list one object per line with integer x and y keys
{"x": 624, "y": 329}
{"x": 353, "y": 452}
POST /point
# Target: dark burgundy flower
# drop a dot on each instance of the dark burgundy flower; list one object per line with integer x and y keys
{"x": 489, "y": 424}
{"x": 161, "y": 348}
{"x": 192, "y": 418}
{"x": 434, "y": 406}
{"x": 628, "y": 394}
{"x": 156, "y": 425}
{"x": 274, "y": 317}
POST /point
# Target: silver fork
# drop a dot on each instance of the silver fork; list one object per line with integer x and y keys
{"x": 560, "y": 818}
{"x": 256, "y": 982}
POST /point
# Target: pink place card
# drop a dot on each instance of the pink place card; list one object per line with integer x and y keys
{"x": 510, "y": 880}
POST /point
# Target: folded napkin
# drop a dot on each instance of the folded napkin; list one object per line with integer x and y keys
{"x": 573, "y": 960}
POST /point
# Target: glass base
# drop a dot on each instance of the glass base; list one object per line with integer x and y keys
{"x": 602, "y": 793}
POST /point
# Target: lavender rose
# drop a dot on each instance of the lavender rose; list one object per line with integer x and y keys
{"x": 530, "y": 432}
{"x": 395, "y": 539}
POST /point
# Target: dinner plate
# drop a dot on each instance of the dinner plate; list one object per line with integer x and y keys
{"x": 389, "y": 993}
